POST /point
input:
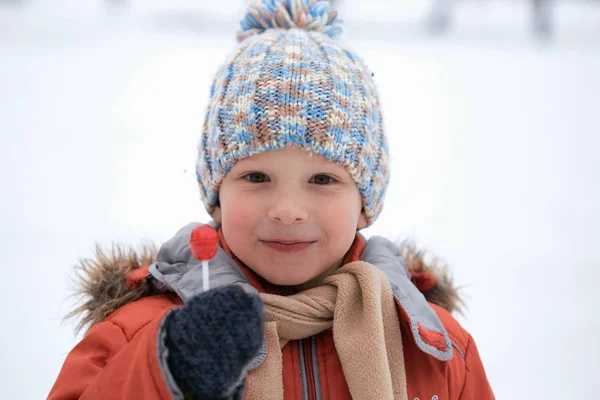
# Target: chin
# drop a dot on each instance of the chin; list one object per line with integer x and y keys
{"x": 286, "y": 281}
{"x": 283, "y": 279}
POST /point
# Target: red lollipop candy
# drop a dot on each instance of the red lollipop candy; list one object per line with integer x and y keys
{"x": 204, "y": 242}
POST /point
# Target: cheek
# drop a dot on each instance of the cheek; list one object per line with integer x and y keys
{"x": 238, "y": 214}
{"x": 340, "y": 217}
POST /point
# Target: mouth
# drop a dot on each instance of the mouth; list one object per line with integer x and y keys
{"x": 287, "y": 246}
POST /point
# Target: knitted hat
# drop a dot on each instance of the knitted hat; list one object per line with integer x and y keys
{"x": 290, "y": 84}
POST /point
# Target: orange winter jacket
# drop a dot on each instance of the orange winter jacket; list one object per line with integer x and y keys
{"x": 121, "y": 356}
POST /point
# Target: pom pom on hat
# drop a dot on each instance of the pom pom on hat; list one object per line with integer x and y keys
{"x": 310, "y": 15}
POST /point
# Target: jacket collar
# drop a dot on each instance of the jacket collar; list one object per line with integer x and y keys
{"x": 177, "y": 269}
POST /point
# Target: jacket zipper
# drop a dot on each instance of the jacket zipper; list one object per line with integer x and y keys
{"x": 310, "y": 379}
{"x": 315, "y": 368}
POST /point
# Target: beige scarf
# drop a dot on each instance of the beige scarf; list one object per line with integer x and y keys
{"x": 357, "y": 301}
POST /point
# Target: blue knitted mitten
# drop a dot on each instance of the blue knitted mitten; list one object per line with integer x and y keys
{"x": 211, "y": 341}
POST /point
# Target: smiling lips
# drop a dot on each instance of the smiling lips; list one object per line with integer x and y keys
{"x": 287, "y": 246}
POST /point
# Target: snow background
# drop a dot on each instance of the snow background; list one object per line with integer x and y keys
{"x": 494, "y": 137}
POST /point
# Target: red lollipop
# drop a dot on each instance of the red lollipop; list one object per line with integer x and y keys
{"x": 204, "y": 244}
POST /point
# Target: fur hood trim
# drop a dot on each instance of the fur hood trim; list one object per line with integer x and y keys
{"x": 101, "y": 283}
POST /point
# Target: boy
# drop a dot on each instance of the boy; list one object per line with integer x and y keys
{"x": 293, "y": 162}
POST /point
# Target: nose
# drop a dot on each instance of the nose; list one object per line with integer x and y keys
{"x": 286, "y": 208}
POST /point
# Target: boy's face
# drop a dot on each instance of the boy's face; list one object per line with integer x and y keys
{"x": 289, "y": 215}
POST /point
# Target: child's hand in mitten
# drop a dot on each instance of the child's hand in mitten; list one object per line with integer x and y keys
{"x": 211, "y": 341}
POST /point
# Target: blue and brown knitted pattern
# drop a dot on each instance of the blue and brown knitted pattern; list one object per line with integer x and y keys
{"x": 290, "y": 84}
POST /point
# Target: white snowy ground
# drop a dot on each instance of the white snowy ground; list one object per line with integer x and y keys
{"x": 495, "y": 165}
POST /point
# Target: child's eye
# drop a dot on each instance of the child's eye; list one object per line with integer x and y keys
{"x": 322, "y": 179}
{"x": 256, "y": 177}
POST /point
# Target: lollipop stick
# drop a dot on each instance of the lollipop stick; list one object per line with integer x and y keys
{"x": 205, "y": 275}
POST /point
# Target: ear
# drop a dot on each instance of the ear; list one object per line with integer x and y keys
{"x": 217, "y": 215}
{"x": 362, "y": 221}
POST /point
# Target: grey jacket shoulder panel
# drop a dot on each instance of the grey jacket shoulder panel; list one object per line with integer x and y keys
{"x": 386, "y": 256}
